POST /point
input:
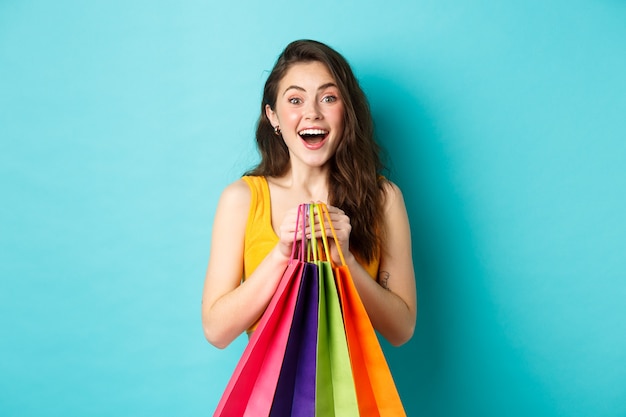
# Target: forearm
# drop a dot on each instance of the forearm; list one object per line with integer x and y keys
{"x": 230, "y": 315}
{"x": 391, "y": 316}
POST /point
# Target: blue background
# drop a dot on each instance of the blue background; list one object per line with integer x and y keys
{"x": 122, "y": 121}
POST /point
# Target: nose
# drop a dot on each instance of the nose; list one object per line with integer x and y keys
{"x": 312, "y": 110}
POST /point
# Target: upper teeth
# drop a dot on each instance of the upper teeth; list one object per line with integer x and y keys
{"x": 312, "y": 132}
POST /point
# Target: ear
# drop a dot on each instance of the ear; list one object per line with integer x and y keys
{"x": 271, "y": 115}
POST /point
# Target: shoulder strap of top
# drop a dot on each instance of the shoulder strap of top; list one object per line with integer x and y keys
{"x": 260, "y": 193}
{"x": 260, "y": 213}
{"x": 253, "y": 184}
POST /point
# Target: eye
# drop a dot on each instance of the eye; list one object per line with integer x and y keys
{"x": 295, "y": 100}
{"x": 329, "y": 99}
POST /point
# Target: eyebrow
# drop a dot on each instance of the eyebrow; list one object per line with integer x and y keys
{"x": 297, "y": 87}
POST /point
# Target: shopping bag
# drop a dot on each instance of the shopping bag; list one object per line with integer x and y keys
{"x": 336, "y": 394}
{"x": 252, "y": 386}
{"x": 376, "y": 391}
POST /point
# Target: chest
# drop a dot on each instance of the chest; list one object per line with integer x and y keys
{"x": 285, "y": 201}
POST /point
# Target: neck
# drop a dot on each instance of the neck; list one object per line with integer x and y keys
{"x": 312, "y": 183}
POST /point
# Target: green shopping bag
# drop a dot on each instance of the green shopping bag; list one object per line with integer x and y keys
{"x": 335, "y": 389}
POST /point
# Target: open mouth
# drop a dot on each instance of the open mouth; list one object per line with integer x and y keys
{"x": 313, "y": 136}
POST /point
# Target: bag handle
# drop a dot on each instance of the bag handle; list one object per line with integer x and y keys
{"x": 302, "y": 215}
{"x": 326, "y": 214}
{"x": 313, "y": 240}
{"x": 319, "y": 207}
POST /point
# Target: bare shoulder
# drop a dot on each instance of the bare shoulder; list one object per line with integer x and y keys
{"x": 236, "y": 194}
{"x": 392, "y": 196}
{"x": 234, "y": 201}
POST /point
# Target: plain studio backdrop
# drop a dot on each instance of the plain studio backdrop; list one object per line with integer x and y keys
{"x": 122, "y": 121}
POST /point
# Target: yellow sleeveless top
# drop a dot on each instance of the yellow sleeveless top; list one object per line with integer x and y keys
{"x": 260, "y": 236}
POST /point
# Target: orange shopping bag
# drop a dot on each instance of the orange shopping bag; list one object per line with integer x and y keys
{"x": 376, "y": 391}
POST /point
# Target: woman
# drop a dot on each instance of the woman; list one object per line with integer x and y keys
{"x": 315, "y": 137}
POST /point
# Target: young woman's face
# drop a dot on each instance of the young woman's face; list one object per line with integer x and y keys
{"x": 309, "y": 111}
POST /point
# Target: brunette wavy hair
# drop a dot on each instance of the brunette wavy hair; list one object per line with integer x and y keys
{"x": 355, "y": 183}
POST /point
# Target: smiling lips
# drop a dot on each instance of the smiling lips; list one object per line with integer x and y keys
{"x": 313, "y": 138}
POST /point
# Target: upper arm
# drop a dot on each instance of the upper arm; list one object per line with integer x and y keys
{"x": 396, "y": 266}
{"x": 225, "y": 269}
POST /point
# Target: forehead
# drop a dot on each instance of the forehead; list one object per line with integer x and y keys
{"x": 307, "y": 74}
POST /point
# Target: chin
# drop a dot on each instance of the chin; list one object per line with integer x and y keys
{"x": 317, "y": 163}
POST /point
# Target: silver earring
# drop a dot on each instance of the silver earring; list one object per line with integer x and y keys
{"x": 277, "y": 130}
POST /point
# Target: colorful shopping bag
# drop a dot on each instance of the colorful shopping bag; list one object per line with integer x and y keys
{"x": 315, "y": 352}
{"x": 376, "y": 391}
{"x": 252, "y": 386}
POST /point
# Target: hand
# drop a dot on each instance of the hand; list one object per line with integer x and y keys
{"x": 342, "y": 226}
{"x": 287, "y": 231}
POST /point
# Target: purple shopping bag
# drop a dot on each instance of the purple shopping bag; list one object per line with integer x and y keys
{"x": 295, "y": 391}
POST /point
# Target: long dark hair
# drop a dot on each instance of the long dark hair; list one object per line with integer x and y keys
{"x": 355, "y": 182}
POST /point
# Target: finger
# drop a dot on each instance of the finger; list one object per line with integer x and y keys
{"x": 335, "y": 210}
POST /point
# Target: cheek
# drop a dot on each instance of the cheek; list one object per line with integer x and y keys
{"x": 338, "y": 111}
{"x": 337, "y": 116}
{"x": 290, "y": 116}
